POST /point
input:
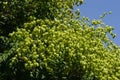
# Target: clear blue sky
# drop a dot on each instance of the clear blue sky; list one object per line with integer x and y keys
{"x": 94, "y": 8}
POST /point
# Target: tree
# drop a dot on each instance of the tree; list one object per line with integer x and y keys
{"x": 64, "y": 48}
{"x": 14, "y": 13}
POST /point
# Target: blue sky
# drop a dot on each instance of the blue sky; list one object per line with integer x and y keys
{"x": 94, "y": 8}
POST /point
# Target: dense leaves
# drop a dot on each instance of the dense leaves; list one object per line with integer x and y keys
{"x": 14, "y": 13}
{"x": 60, "y": 47}
{"x": 64, "y": 50}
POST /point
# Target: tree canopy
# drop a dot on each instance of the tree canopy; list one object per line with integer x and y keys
{"x": 55, "y": 43}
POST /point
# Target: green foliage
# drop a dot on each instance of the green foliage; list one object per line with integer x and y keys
{"x": 64, "y": 50}
{"x": 105, "y": 13}
{"x": 14, "y": 13}
{"x": 56, "y": 44}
